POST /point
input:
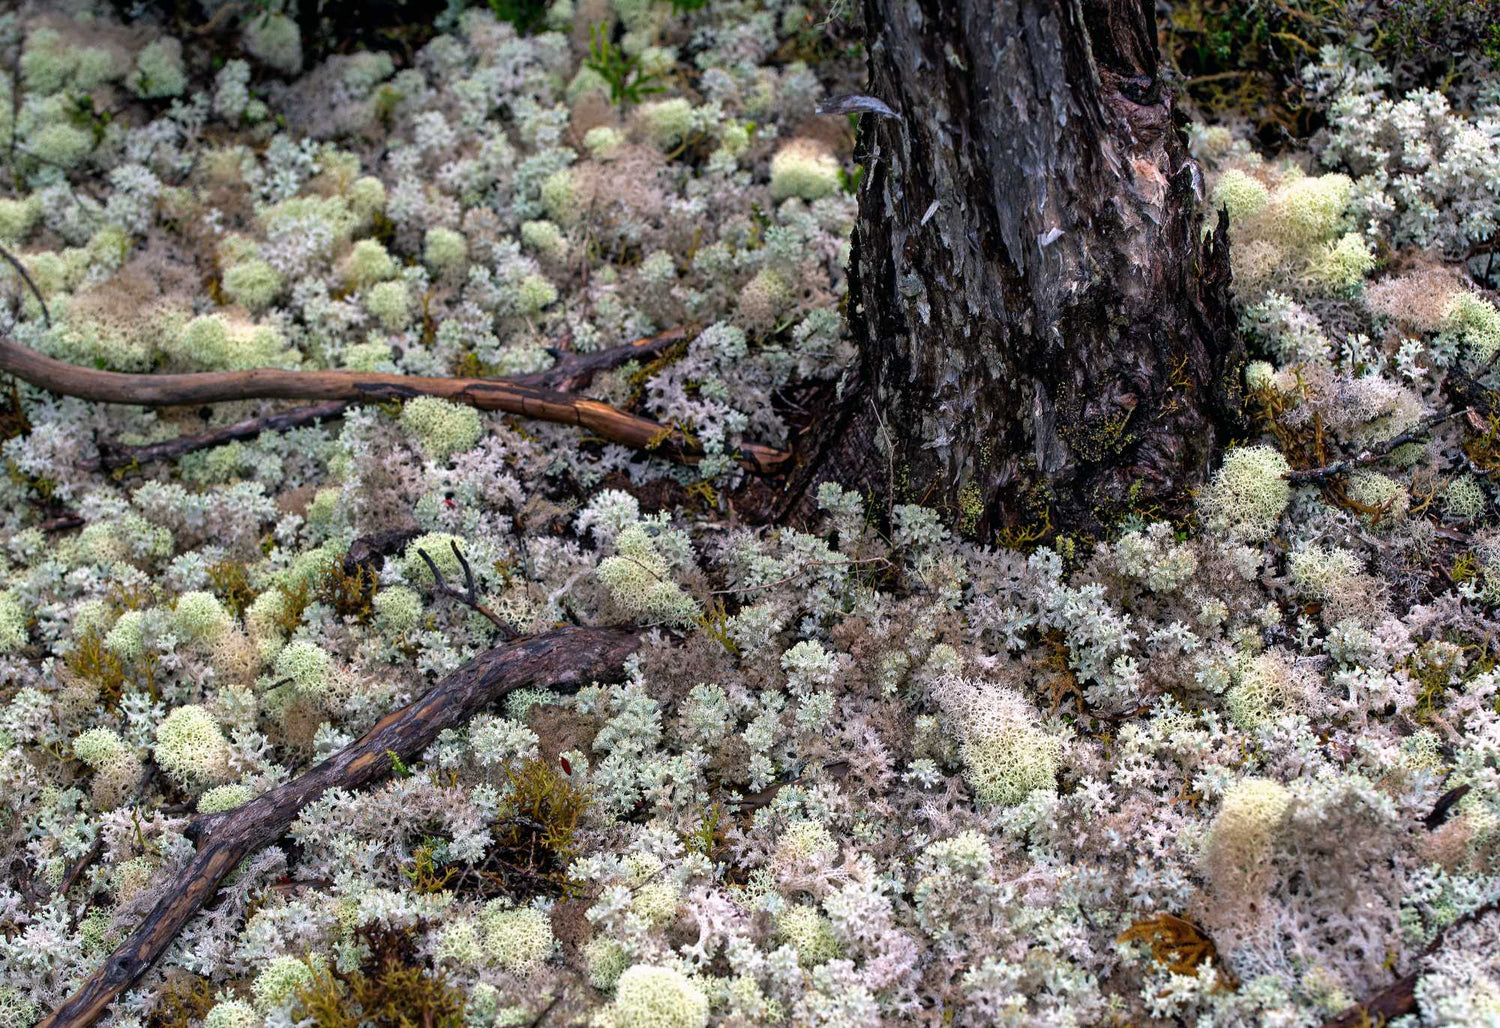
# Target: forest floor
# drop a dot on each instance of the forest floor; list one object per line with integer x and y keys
{"x": 603, "y": 746}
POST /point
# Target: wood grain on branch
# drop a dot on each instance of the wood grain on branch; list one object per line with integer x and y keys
{"x": 540, "y": 403}
{"x": 565, "y": 659}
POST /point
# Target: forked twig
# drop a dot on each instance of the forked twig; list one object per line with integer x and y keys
{"x": 468, "y": 597}
{"x": 203, "y": 387}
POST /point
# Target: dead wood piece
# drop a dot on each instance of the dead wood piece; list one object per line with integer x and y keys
{"x": 565, "y": 659}
{"x": 359, "y": 387}
{"x": 571, "y": 374}
{"x": 371, "y": 550}
{"x": 468, "y": 596}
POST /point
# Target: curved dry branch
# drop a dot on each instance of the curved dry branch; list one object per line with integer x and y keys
{"x": 575, "y": 371}
{"x": 565, "y": 659}
{"x": 571, "y": 373}
{"x": 529, "y": 401}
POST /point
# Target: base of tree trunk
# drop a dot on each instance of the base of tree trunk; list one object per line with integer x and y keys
{"x": 1046, "y": 334}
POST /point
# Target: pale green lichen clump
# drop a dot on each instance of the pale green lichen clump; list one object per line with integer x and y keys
{"x": 191, "y": 748}
{"x": 639, "y": 579}
{"x": 802, "y": 168}
{"x": 1248, "y": 493}
{"x": 440, "y": 427}
{"x": 656, "y": 997}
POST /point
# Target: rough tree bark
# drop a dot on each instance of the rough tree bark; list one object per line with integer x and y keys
{"x": 1043, "y": 331}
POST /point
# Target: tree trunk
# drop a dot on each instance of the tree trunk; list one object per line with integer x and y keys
{"x": 1045, "y": 335}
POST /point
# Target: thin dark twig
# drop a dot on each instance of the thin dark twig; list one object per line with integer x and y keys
{"x": 15, "y": 109}
{"x": 468, "y": 596}
{"x": 79, "y": 866}
{"x": 298, "y": 883}
{"x": 537, "y": 1021}
{"x": 76, "y": 871}
{"x": 1399, "y": 998}
{"x": 1370, "y": 456}
{"x": 1445, "y": 803}
{"x": 61, "y": 523}
{"x": 26, "y": 277}
{"x": 113, "y": 457}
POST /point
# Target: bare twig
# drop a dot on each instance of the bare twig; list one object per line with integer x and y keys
{"x": 113, "y": 457}
{"x": 1399, "y": 998}
{"x": 61, "y": 523}
{"x": 299, "y": 883}
{"x": 1373, "y": 454}
{"x": 1221, "y": 76}
{"x": 536, "y": 1022}
{"x": 222, "y": 15}
{"x": 839, "y": 769}
{"x": 70, "y": 878}
{"x": 468, "y": 597}
{"x": 575, "y": 372}
{"x": 1444, "y": 805}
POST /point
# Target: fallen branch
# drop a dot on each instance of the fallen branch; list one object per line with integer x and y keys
{"x": 359, "y": 387}
{"x": 575, "y": 371}
{"x": 565, "y": 659}
{"x": 571, "y": 373}
{"x": 1370, "y": 456}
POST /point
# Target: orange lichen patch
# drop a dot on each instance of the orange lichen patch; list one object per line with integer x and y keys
{"x": 1178, "y": 945}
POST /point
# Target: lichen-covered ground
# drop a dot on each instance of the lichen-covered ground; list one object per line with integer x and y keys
{"x": 863, "y": 771}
